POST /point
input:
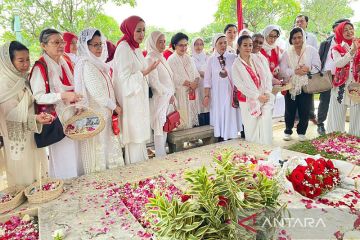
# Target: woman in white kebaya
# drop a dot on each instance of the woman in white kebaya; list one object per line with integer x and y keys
{"x": 200, "y": 58}
{"x": 162, "y": 85}
{"x": 186, "y": 79}
{"x": 252, "y": 77}
{"x": 219, "y": 89}
{"x": 130, "y": 79}
{"x": 92, "y": 79}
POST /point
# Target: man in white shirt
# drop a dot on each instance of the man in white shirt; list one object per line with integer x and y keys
{"x": 302, "y": 21}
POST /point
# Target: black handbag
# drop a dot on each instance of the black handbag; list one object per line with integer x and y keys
{"x": 204, "y": 119}
{"x": 50, "y": 134}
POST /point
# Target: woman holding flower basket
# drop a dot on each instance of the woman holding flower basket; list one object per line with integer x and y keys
{"x": 346, "y": 56}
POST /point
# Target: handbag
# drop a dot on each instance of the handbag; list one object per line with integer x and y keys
{"x": 318, "y": 82}
{"x": 50, "y": 134}
{"x": 235, "y": 100}
{"x": 172, "y": 120}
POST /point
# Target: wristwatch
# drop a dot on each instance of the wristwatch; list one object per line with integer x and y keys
{"x": 1, "y": 142}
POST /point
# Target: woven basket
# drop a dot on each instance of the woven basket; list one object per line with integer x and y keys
{"x": 354, "y": 97}
{"x": 17, "y": 200}
{"x": 277, "y": 88}
{"x": 43, "y": 196}
{"x": 89, "y": 116}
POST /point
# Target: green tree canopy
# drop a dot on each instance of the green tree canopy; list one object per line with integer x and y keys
{"x": 63, "y": 15}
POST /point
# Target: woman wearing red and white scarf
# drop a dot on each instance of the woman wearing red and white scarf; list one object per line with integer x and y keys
{"x": 132, "y": 89}
{"x": 272, "y": 51}
{"x": 346, "y": 55}
{"x": 71, "y": 46}
{"x": 252, "y": 77}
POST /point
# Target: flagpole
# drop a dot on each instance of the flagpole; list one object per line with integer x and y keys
{"x": 239, "y": 11}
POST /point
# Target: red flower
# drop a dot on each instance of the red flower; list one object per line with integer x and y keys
{"x": 297, "y": 175}
{"x": 310, "y": 161}
{"x": 319, "y": 166}
{"x": 330, "y": 164}
{"x": 357, "y": 223}
{"x": 328, "y": 181}
{"x": 185, "y": 197}
{"x": 223, "y": 201}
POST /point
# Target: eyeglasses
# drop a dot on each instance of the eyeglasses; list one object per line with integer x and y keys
{"x": 97, "y": 45}
{"x": 57, "y": 43}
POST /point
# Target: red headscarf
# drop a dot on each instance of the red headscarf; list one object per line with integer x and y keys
{"x": 339, "y": 34}
{"x": 68, "y": 37}
{"x": 111, "y": 50}
{"x": 128, "y": 28}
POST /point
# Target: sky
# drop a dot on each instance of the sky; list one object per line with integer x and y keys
{"x": 190, "y": 15}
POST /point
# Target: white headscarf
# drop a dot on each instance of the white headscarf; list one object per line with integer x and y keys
{"x": 297, "y": 81}
{"x": 216, "y": 38}
{"x": 199, "y": 58}
{"x": 150, "y": 43}
{"x": 13, "y": 83}
{"x": 266, "y": 46}
{"x": 85, "y": 55}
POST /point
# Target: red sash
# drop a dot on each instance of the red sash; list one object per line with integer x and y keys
{"x": 273, "y": 59}
{"x": 254, "y": 77}
{"x": 342, "y": 74}
{"x": 41, "y": 64}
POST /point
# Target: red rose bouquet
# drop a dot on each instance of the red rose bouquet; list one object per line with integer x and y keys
{"x": 316, "y": 178}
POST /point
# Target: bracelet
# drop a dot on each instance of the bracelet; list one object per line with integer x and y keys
{"x": 207, "y": 96}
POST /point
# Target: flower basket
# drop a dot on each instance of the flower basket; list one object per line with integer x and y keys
{"x": 23, "y": 225}
{"x": 85, "y": 124}
{"x": 280, "y": 88}
{"x": 16, "y": 198}
{"x": 37, "y": 194}
{"x": 353, "y": 91}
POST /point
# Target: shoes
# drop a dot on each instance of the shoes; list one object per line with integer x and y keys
{"x": 287, "y": 137}
{"x": 314, "y": 121}
{"x": 302, "y": 138}
{"x": 321, "y": 130}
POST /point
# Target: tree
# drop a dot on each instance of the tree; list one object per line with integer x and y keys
{"x": 63, "y": 15}
{"x": 322, "y": 16}
{"x": 259, "y": 13}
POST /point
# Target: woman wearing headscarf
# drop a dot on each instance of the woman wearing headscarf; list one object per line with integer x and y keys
{"x": 230, "y": 31}
{"x": 162, "y": 85}
{"x": 200, "y": 58}
{"x": 219, "y": 89}
{"x": 186, "y": 79}
{"x": 296, "y": 63}
{"x": 272, "y": 51}
{"x": 18, "y": 120}
{"x": 92, "y": 80}
{"x": 52, "y": 86}
{"x": 252, "y": 78}
{"x": 130, "y": 79}
{"x": 71, "y": 46}
{"x": 346, "y": 55}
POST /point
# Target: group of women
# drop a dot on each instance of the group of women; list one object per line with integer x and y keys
{"x": 234, "y": 84}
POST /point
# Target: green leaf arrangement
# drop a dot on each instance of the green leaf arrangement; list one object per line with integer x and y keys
{"x": 215, "y": 204}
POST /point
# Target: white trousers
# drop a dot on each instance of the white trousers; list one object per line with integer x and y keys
{"x": 135, "y": 152}
{"x": 160, "y": 145}
{"x": 337, "y": 117}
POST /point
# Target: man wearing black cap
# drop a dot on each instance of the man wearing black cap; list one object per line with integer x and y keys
{"x": 327, "y": 64}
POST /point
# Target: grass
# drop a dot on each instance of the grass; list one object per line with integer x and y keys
{"x": 308, "y": 148}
